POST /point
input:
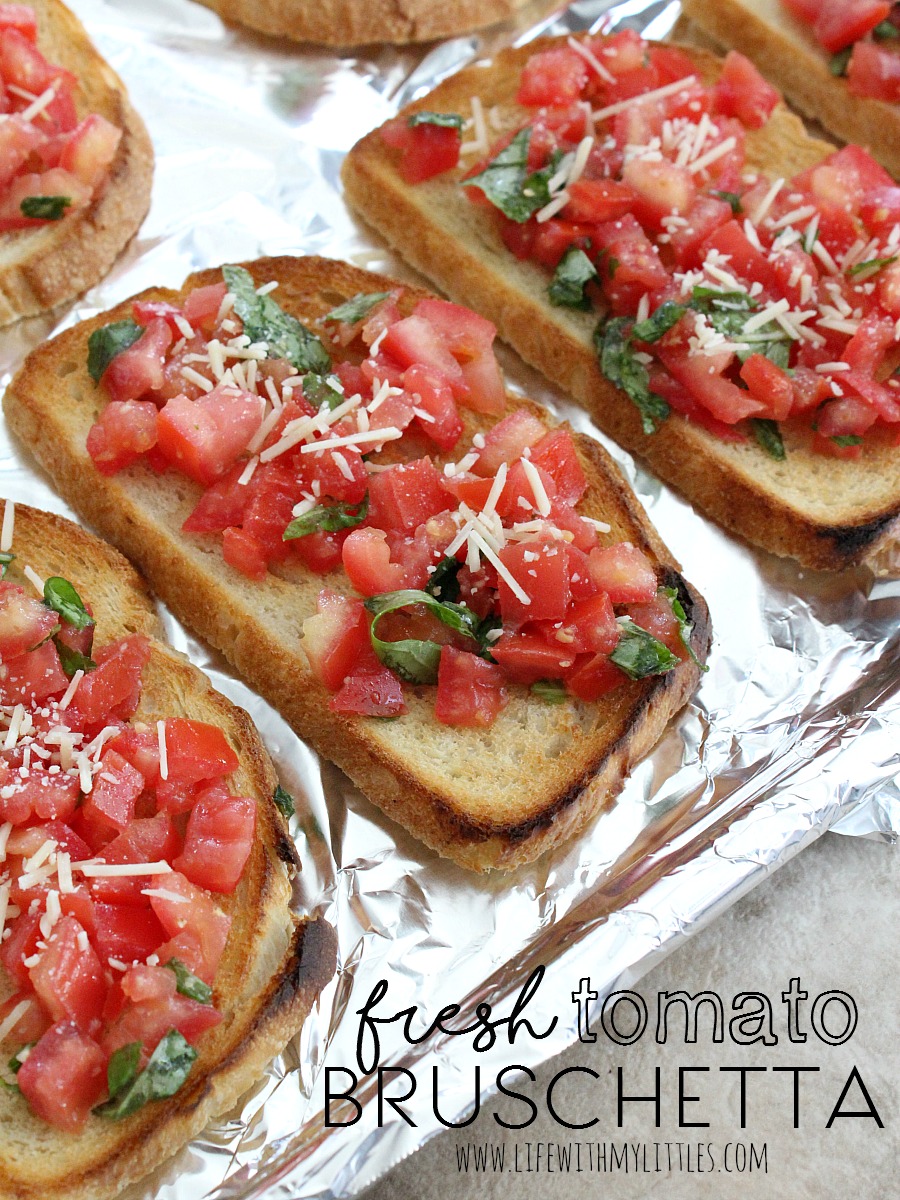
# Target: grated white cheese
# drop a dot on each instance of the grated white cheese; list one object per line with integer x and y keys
{"x": 71, "y": 690}
{"x": 94, "y": 869}
{"x": 679, "y": 85}
{"x": 6, "y": 532}
{"x": 766, "y": 203}
{"x": 541, "y": 499}
{"x": 591, "y": 59}
{"x": 163, "y": 750}
{"x": 33, "y": 578}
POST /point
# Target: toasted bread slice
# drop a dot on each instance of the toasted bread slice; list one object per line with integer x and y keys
{"x": 825, "y": 512}
{"x": 356, "y": 22}
{"x": 493, "y": 797}
{"x": 787, "y": 53}
{"x": 274, "y": 965}
{"x": 47, "y": 265}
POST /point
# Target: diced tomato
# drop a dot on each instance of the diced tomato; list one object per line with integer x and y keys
{"x": 415, "y": 340}
{"x": 243, "y": 552}
{"x": 705, "y": 215}
{"x": 121, "y": 434}
{"x": 197, "y": 751}
{"x": 541, "y": 570}
{"x": 33, "y": 676}
{"x": 657, "y": 617}
{"x": 743, "y": 93}
{"x": 661, "y": 189}
{"x": 506, "y": 441}
{"x": 147, "y": 839}
{"x": 555, "y": 453}
{"x": 406, "y": 496}
{"x": 141, "y": 983}
{"x": 33, "y": 1022}
{"x": 592, "y": 201}
{"x": 555, "y": 76}
{"x": 810, "y": 389}
{"x": 768, "y": 384}
{"x": 115, "y": 791}
{"x": 867, "y": 347}
{"x": 139, "y": 369}
{"x": 335, "y": 637}
{"x": 849, "y": 416}
{"x": 270, "y": 510}
{"x": 201, "y": 306}
{"x": 518, "y": 501}
{"x": 432, "y": 397}
{"x": 470, "y": 691}
{"x": 24, "y": 621}
{"x": 426, "y": 149}
{"x": 218, "y": 840}
{"x": 20, "y": 17}
{"x": 63, "y": 1077}
{"x": 526, "y": 656}
{"x": 115, "y": 681}
{"x": 18, "y": 139}
{"x": 22, "y": 64}
{"x": 194, "y": 912}
{"x": 631, "y": 266}
{"x": 589, "y": 626}
{"x": 724, "y": 399}
{"x": 91, "y": 149}
{"x": 370, "y": 690}
{"x": 466, "y": 334}
{"x": 595, "y": 677}
{"x": 25, "y": 933}
{"x": 321, "y": 551}
{"x": 126, "y": 933}
{"x": 840, "y": 23}
{"x": 68, "y": 977}
{"x": 221, "y": 505}
{"x": 880, "y": 208}
{"x": 204, "y": 437}
{"x": 367, "y": 561}
{"x": 50, "y": 797}
{"x": 145, "y": 311}
{"x": 747, "y": 263}
{"x": 623, "y": 572}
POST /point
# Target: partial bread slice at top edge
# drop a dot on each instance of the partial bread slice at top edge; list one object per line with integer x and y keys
{"x": 787, "y": 53}
{"x": 274, "y": 965}
{"x": 47, "y": 265}
{"x": 358, "y": 22}
{"x": 486, "y": 798}
{"x": 825, "y": 512}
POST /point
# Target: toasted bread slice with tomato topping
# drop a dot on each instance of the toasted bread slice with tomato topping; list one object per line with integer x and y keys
{"x": 491, "y": 797}
{"x": 787, "y": 52}
{"x": 43, "y": 266}
{"x": 274, "y": 964}
{"x": 825, "y": 512}
{"x": 356, "y": 22}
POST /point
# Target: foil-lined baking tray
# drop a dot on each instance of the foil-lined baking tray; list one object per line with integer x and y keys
{"x": 795, "y": 728}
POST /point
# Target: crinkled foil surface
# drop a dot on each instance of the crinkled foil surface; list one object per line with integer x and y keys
{"x": 795, "y": 729}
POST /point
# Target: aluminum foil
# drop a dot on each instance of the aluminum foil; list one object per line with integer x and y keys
{"x": 795, "y": 728}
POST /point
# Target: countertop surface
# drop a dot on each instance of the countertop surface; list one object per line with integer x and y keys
{"x": 828, "y": 918}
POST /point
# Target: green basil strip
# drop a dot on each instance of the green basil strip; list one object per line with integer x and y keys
{"x": 284, "y": 801}
{"x": 886, "y": 31}
{"x": 414, "y": 660}
{"x": 873, "y": 264}
{"x": 354, "y": 310}
{"x": 621, "y": 368}
{"x": 265, "y": 321}
{"x": 327, "y": 518}
{"x": 506, "y": 182}
{"x": 838, "y": 63}
{"x": 685, "y": 627}
{"x": 443, "y": 583}
{"x": 187, "y": 982}
{"x": 847, "y": 439}
{"x": 319, "y": 391}
{"x": 72, "y": 660}
{"x": 551, "y": 691}
{"x": 566, "y": 289}
{"x": 730, "y": 198}
{"x": 122, "y": 1068}
{"x": 168, "y": 1068}
{"x": 709, "y": 299}
{"x": 639, "y": 654}
{"x": 6, "y": 557}
{"x": 45, "y": 208}
{"x": 444, "y": 120}
{"x": 63, "y": 599}
{"x": 107, "y": 342}
{"x": 768, "y": 435}
{"x": 668, "y": 314}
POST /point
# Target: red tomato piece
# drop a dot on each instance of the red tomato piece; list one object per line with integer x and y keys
{"x": 526, "y": 656}
{"x": 747, "y": 263}
{"x": 147, "y": 839}
{"x": 139, "y": 369}
{"x": 121, "y": 434}
{"x": 768, "y": 384}
{"x": 64, "y": 1077}
{"x": 201, "y": 306}
{"x": 840, "y": 23}
{"x": 367, "y": 560}
{"x": 466, "y": 334}
{"x": 184, "y": 908}
{"x": 724, "y": 399}
{"x": 743, "y": 93}
{"x": 320, "y": 551}
{"x": 197, "y": 751}
{"x": 115, "y": 791}
{"x": 810, "y": 389}
{"x": 519, "y": 501}
{"x": 50, "y": 797}
{"x": 243, "y": 552}
{"x": 221, "y": 505}
{"x": 470, "y": 691}
{"x": 595, "y": 677}
{"x": 141, "y": 749}
{"x": 24, "y": 621}
{"x": 218, "y": 840}
{"x": 335, "y": 637}
{"x": 541, "y": 569}
{"x": 18, "y": 139}
{"x": 426, "y": 150}
{"x": 33, "y": 676}
{"x": 142, "y": 983}
{"x": 115, "y": 682}
{"x": 19, "y": 17}
{"x": 589, "y": 626}
{"x": 631, "y": 265}
{"x": 554, "y": 76}
{"x": 660, "y": 189}
{"x": 624, "y": 572}
{"x": 150, "y": 1020}
{"x": 507, "y": 440}
{"x": 33, "y": 1022}
{"x": 441, "y": 421}
{"x": 657, "y": 617}
{"x": 204, "y": 437}
{"x": 25, "y": 933}
{"x": 555, "y": 453}
{"x": 90, "y": 150}
{"x": 126, "y": 933}
{"x": 594, "y": 200}
{"x": 880, "y": 207}
{"x": 68, "y": 978}
{"x": 370, "y": 691}
{"x": 415, "y": 340}
{"x": 406, "y": 496}
{"x": 705, "y": 215}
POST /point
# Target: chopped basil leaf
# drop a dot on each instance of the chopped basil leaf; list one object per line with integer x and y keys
{"x": 284, "y": 801}
{"x": 168, "y": 1068}
{"x": 639, "y": 654}
{"x": 188, "y": 984}
{"x": 886, "y": 31}
{"x": 847, "y": 439}
{"x": 318, "y": 391}
{"x": 443, "y": 583}
{"x": 619, "y": 365}
{"x": 45, "y": 208}
{"x": 72, "y": 660}
{"x": 874, "y": 265}
{"x": 327, "y": 518}
{"x": 122, "y": 1068}
{"x": 668, "y": 314}
{"x": 354, "y": 310}
{"x": 444, "y": 120}
{"x": 768, "y": 435}
{"x": 6, "y": 557}
{"x": 685, "y": 627}
{"x": 63, "y": 599}
{"x": 487, "y": 626}
{"x": 506, "y": 182}
{"x": 412, "y": 659}
{"x": 776, "y": 351}
{"x": 107, "y": 342}
{"x": 265, "y": 321}
{"x": 566, "y": 289}
{"x": 550, "y": 690}
{"x": 709, "y": 299}
{"x": 838, "y": 63}
{"x": 731, "y": 198}
{"x": 612, "y": 266}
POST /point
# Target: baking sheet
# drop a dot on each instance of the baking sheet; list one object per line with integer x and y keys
{"x": 793, "y": 730}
